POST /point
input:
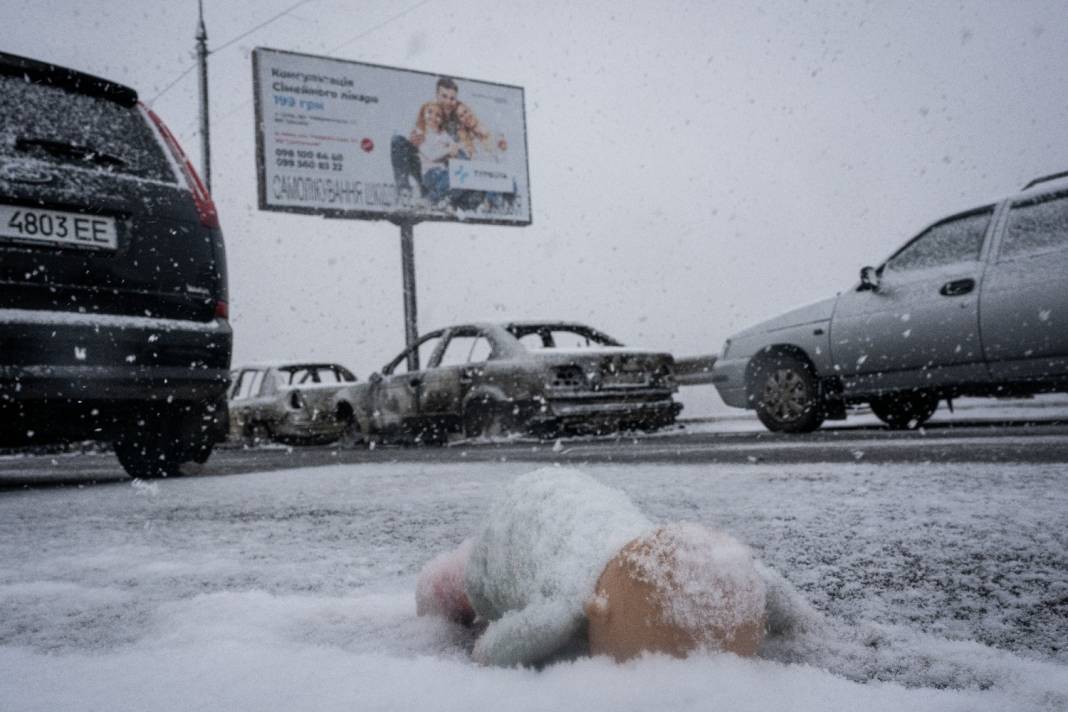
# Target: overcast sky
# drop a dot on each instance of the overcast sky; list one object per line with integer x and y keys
{"x": 695, "y": 166}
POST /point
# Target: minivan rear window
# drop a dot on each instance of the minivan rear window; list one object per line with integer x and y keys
{"x": 65, "y": 128}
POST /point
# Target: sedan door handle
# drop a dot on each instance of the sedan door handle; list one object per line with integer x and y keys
{"x": 957, "y": 287}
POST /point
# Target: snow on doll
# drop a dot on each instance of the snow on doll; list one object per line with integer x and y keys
{"x": 564, "y": 564}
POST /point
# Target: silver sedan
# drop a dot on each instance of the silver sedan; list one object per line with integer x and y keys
{"x": 976, "y": 304}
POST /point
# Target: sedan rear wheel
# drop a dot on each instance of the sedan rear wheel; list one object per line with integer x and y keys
{"x": 351, "y": 435}
{"x": 787, "y": 395}
{"x": 905, "y": 411}
{"x": 489, "y": 419}
{"x": 257, "y": 434}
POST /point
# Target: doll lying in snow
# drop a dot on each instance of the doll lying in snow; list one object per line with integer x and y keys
{"x": 563, "y": 561}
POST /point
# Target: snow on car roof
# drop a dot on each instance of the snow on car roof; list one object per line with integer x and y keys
{"x": 1045, "y": 185}
{"x": 290, "y": 364}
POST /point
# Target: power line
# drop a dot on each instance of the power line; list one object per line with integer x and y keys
{"x": 399, "y": 15}
{"x": 167, "y": 88}
{"x": 262, "y": 24}
{"x": 226, "y": 44}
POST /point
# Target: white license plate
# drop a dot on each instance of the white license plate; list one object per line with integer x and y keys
{"x": 57, "y": 227}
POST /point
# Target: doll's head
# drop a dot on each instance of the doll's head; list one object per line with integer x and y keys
{"x": 678, "y": 589}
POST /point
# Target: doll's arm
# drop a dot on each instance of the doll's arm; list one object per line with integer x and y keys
{"x": 528, "y": 635}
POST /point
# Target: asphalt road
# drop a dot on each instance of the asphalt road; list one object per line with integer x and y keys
{"x": 693, "y": 443}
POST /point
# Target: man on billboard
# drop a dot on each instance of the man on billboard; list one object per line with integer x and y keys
{"x": 404, "y": 152}
{"x": 446, "y": 130}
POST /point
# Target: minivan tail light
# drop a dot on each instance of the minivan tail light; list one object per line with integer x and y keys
{"x": 209, "y": 216}
{"x": 222, "y": 310}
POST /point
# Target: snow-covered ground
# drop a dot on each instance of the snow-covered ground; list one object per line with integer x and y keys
{"x": 941, "y": 588}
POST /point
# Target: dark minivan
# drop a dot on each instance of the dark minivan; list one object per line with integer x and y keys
{"x": 113, "y": 299}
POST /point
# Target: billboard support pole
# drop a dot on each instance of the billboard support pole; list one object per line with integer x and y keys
{"x": 411, "y": 331}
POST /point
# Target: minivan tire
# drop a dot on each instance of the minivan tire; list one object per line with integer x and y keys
{"x": 787, "y": 394}
{"x": 156, "y": 443}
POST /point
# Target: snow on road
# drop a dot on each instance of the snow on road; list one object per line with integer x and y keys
{"x": 704, "y": 413}
{"x": 940, "y": 588}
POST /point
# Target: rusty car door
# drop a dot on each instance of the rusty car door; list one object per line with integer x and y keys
{"x": 397, "y": 397}
{"x": 451, "y": 375}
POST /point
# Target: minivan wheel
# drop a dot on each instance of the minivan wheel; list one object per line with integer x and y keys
{"x": 787, "y": 395}
{"x": 147, "y": 461}
{"x": 905, "y": 411}
{"x": 154, "y": 445}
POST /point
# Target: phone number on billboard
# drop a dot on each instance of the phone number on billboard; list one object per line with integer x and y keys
{"x": 289, "y": 158}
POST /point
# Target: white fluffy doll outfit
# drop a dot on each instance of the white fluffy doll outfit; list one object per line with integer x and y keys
{"x": 537, "y": 558}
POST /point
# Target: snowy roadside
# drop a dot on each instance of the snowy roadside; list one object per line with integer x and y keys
{"x": 704, "y": 413}
{"x": 943, "y": 586}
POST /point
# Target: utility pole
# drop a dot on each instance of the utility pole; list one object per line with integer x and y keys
{"x": 202, "y": 60}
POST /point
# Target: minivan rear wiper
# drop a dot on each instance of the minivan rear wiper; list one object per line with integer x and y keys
{"x": 69, "y": 150}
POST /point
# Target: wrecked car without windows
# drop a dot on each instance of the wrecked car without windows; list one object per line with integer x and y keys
{"x": 488, "y": 379}
{"x": 290, "y": 403}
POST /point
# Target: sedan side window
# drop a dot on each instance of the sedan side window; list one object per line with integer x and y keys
{"x": 271, "y": 381}
{"x": 465, "y": 349}
{"x": 254, "y": 381}
{"x": 247, "y": 384}
{"x": 481, "y": 351}
{"x": 951, "y": 242}
{"x": 426, "y": 348}
{"x": 1036, "y": 228}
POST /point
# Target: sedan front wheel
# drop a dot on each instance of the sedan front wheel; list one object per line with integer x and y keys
{"x": 787, "y": 395}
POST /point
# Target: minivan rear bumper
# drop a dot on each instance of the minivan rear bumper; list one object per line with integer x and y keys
{"x": 52, "y": 363}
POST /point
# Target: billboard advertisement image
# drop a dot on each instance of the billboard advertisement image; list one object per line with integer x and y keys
{"x": 353, "y": 140}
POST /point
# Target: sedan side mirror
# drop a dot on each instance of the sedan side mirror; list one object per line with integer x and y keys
{"x": 869, "y": 280}
{"x": 375, "y": 378}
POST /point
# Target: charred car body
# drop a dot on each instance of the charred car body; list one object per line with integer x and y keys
{"x": 289, "y": 403}
{"x": 487, "y": 379}
{"x": 113, "y": 296}
{"x": 976, "y": 304}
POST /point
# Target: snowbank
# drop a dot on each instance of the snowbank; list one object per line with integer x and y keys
{"x": 295, "y": 591}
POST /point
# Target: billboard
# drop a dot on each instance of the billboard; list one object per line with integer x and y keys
{"x": 353, "y": 140}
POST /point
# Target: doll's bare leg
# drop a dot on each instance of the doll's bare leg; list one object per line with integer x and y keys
{"x": 440, "y": 588}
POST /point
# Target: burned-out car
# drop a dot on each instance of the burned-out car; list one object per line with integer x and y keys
{"x": 489, "y": 379}
{"x": 290, "y": 403}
